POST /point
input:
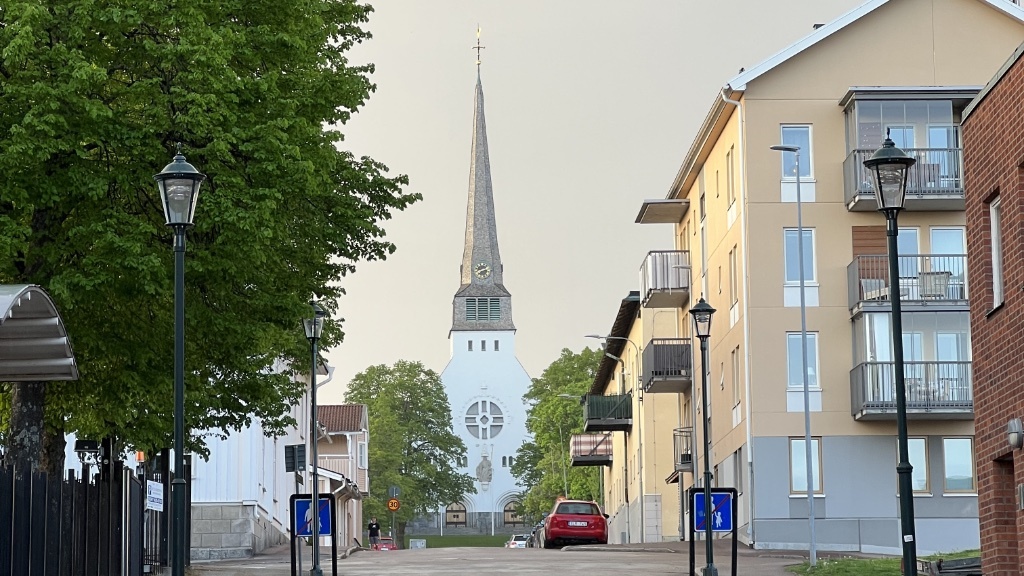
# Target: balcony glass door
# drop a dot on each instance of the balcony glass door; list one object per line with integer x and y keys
{"x": 952, "y": 352}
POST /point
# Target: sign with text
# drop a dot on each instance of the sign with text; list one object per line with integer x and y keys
{"x": 394, "y": 505}
{"x": 154, "y": 496}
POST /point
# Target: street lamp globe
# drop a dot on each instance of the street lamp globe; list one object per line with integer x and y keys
{"x": 702, "y": 313}
{"x": 179, "y": 184}
{"x": 889, "y": 166}
{"x": 314, "y": 326}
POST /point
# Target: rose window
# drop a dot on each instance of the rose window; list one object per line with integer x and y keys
{"x": 484, "y": 419}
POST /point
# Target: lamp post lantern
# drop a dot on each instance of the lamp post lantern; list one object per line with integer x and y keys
{"x": 889, "y": 165}
{"x": 314, "y": 328}
{"x": 812, "y": 552}
{"x": 702, "y": 313}
{"x": 179, "y": 184}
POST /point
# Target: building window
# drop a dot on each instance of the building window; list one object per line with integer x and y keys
{"x": 795, "y": 360}
{"x": 918, "y": 451}
{"x": 484, "y": 419}
{"x": 798, "y": 465}
{"x": 734, "y": 293}
{"x": 800, "y": 136}
{"x": 730, "y": 176}
{"x": 703, "y": 205}
{"x": 792, "y": 256}
{"x": 483, "y": 309}
{"x": 361, "y": 455}
{"x": 736, "y": 394}
{"x": 504, "y": 461}
{"x": 995, "y": 229}
{"x": 469, "y": 345}
{"x": 483, "y": 345}
{"x": 496, "y": 346}
{"x": 958, "y": 464}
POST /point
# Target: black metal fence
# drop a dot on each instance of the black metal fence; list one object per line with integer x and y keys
{"x": 70, "y": 527}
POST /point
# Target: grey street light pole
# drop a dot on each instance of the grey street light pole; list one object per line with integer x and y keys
{"x": 314, "y": 328}
{"x": 889, "y": 166}
{"x": 640, "y": 429}
{"x": 812, "y": 546}
{"x": 702, "y": 313}
{"x": 179, "y": 184}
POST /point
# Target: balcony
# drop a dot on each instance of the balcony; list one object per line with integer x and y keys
{"x": 607, "y": 413}
{"x": 665, "y": 279}
{"x": 682, "y": 443}
{"x": 935, "y": 390}
{"x": 591, "y": 449}
{"x": 935, "y": 182}
{"x": 667, "y": 365}
{"x": 935, "y": 281}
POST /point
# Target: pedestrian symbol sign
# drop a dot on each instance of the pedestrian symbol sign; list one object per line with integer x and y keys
{"x": 721, "y": 512}
{"x": 304, "y": 517}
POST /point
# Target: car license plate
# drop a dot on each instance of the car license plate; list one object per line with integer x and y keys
{"x": 577, "y": 523}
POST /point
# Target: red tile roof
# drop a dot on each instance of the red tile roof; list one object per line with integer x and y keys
{"x": 342, "y": 417}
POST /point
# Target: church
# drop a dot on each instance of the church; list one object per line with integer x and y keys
{"x": 484, "y": 381}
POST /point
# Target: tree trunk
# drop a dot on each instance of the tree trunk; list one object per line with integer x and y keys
{"x": 25, "y": 441}
{"x": 54, "y": 445}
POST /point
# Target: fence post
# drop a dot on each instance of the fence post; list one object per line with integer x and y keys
{"x": 6, "y": 517}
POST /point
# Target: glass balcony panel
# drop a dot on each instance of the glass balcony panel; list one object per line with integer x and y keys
{"x": 924, "y": 278}
{"x": 934, "y": 390}
{"x": 665, "y": 279}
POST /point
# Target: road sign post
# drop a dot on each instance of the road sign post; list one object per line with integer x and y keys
{"x": 302, "y": 518}
{"x": 394, "y": 505}
{"x": 724, "y": 511}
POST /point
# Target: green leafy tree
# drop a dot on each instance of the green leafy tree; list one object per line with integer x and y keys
{"x": 542, "y": 466}
{"x": 412, "y": 444}
{"x": 94, "y": 94}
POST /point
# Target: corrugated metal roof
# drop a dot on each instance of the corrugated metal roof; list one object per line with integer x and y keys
{"x": 34, "y": 344}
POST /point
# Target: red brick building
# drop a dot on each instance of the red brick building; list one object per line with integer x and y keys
{"x": 993, "y": 135}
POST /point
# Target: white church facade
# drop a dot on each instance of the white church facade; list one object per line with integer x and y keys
{"x": 484, "y": 381}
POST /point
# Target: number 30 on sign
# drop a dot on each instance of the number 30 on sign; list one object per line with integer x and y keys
{"x": 394, "y": 504}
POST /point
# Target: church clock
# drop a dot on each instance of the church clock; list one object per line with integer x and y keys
{"x": 482, "y": 270}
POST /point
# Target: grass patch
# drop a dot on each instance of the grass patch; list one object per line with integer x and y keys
{"x": 461, "y": 541}
{"x": 869, "y": 566}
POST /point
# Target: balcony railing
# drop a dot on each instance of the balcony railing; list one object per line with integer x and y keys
{"x": 935, "y": 390}
{"x": 607, "y": 413}
{"x": 682, "y": 444}
{"x": 667, "y": 364}
{"x": 924, "y": 278}
{"x": 665, "y": 279}
{"x": 935, "y": 182}
{"x": 591, "y": 449}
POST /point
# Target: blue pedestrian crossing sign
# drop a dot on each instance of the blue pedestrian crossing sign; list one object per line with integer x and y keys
{"x": 304, "y": 517}
{"x": 721, "y": 512}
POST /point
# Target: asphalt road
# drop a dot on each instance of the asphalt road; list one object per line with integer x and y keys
{"x": 651, "y": 560}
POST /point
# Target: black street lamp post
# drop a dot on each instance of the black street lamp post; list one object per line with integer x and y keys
{"x": 179, "y": 189}
{"x": 889, "y": 165}
{"x": 702, "y": 313}
{"x": 314, "y": 328}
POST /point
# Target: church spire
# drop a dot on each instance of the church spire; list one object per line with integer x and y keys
{"x": 482, "y": 302}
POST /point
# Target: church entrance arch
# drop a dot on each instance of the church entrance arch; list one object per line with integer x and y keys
{"x": 455, "y": 514}
{"x": 512, "y": 517}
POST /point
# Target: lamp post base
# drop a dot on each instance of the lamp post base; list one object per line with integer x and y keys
{"x": 710, "y": 570}
{"x": 317, "y": 571}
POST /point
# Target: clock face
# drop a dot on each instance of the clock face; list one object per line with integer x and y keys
{"x": 482, "y": 270}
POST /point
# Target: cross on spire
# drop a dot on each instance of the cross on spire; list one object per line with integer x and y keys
{"x": 478, "y": 47}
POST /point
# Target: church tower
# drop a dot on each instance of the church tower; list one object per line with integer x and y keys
{"x": 484, "y": 380}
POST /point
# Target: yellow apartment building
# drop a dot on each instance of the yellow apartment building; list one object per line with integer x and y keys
{"x": 907, "y": 68}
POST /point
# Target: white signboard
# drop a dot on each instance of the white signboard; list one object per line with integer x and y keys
{"x": 417, "y": 543}
{"x": 154, "y": 496}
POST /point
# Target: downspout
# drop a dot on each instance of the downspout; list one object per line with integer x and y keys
{"x": 746, "y": 315}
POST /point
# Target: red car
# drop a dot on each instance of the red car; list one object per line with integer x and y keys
{"x": 387, "y": 543}
{"x": 575, "y": 522}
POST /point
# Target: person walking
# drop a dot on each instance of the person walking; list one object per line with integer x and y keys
{"x": 374, "y": 531}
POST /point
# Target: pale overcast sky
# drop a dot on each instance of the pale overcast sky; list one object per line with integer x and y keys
{"x": 591, "y": 106}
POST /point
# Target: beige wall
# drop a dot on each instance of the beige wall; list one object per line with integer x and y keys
{"x": 928, "y": 44}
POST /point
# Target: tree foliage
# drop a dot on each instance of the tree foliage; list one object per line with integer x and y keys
{"x": 94, "y": 94}
{"x": 542, "y": 466}
{"x": 412, "y": 444}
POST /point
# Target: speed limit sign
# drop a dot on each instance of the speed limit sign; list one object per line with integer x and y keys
{"x": 394, "y": 504}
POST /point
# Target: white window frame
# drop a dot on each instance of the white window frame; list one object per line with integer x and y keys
{"x": 795, "y": 339}
{"x": 945, "y": 467}
{"x": 797, "y": 455}
{"x": 806, "y": 155}
{"x": 919, "y": 467}
{"x": 996, "y": 240}
{"x": 812, "y": 274}
{"x": 730, "y": 176}
{"x": 361, "y": 456}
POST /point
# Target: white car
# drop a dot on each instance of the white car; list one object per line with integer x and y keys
{"x": 517, "y": 541}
